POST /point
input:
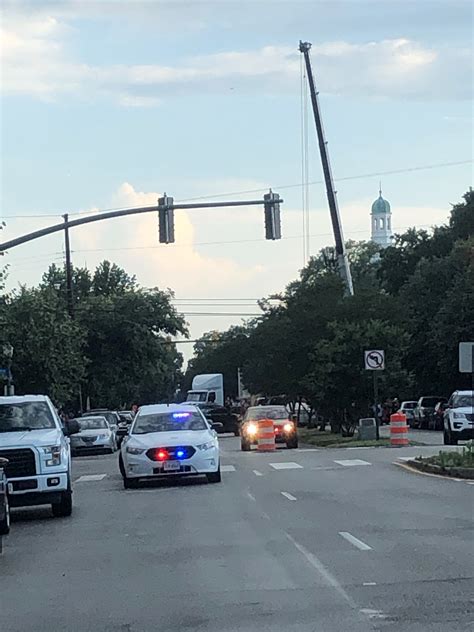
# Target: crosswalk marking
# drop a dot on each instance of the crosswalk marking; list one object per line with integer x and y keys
{"x": 90, "y": 477}
{"x": 227, "y": 468}
{"x": 290, "y": 465}
{"x": 352, "y": 462}
{"x": 257, "y": 473}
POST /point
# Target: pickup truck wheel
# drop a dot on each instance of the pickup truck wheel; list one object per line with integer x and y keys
{"x": 63, "y": 509}
{"x": 5, "y": 523}
{"x": 245, "y": 446}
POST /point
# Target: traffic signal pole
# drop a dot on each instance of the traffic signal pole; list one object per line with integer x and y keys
{"x": 67, "y": 247}
{"x": 342, "y": 260}
{"x": 272, "y": 204}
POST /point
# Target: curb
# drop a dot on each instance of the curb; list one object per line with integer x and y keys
{"x": 415, "y": 467}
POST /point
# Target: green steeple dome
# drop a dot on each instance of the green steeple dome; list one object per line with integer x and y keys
{"x": 380, "y": 205}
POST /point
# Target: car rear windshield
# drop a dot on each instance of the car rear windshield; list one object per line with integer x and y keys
{"x": 169, "y": 422}
{"x": 408, "y": 405}
{"x": 111, "y": 418}
{"x": 254, "y": 414}
{"x": 25, "y": 416}
{"x": 91, "y": 423}
{"x": 430, "y": 402}
{"x": 463, "y": 401}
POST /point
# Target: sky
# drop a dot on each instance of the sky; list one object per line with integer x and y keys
{"x": 110, "y": 104}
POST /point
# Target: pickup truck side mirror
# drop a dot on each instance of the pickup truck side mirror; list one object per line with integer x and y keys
{"x": 71, "y": 426}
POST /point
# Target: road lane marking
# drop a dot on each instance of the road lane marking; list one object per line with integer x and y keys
{"x": 361, "y": 447}
{"x": 290, "y": 465}
{"x": 369, "y": 584}
{"x": 288, "y": 495}
{"x": 322, "y": 570}
{"x": 227, "y": 468}
{"x": 257, "y": 473}
{"x": 362, "y": 546}
{"x": 308, "y": 450}
{"x": 252, "y": 497}
{"x": 90, "y": 477}
{"x": 352, "y": 462}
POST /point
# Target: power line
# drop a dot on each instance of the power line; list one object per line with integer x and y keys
{"x": 259, "y": 190}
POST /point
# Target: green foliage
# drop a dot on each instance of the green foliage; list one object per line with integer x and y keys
{"x": 414, "y": 299}
{"x": 117, "y": 349}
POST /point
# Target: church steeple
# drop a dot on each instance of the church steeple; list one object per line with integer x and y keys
{"x": 381, "y": 218}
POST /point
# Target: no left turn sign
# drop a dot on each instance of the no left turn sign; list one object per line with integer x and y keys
{"x": 375, "y": 360}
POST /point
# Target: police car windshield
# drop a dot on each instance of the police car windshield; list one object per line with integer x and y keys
{"x": 23, "y": 416}
{"x": 169, "y": 422}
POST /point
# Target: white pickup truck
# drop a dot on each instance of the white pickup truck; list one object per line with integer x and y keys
{"x": 36, "y": 445}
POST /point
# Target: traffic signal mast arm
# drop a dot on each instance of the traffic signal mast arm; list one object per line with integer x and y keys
{"x": 342, "y": 261}
{"x": 165, "y": 207}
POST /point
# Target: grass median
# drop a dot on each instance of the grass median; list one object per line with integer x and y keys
{"x": 324, "y": 439}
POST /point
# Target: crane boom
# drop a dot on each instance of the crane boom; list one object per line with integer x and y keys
{"x": 342, "y": 260}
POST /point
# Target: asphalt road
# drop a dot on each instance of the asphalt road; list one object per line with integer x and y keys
{"x": 297, "y": 541}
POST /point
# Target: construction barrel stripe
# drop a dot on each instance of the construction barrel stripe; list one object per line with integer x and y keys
{"x": 398, "y": 430}
{"x": 266, "y": 435}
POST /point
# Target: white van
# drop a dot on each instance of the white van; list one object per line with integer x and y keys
{"x": 36, "y": 445}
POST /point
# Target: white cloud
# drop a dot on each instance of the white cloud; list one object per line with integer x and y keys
{"x": 36, "y": 61}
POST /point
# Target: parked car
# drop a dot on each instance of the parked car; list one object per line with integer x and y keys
{"x": 459, "y": 418}
{"x": 35, "y": 443}
{"x": 4, "y": 504}
{"x": 112, "y": 416}
{"x": 95, "y": 435}
{"x": 437, "y": 421}
{"x": 424, "y": 411}
{"x": 285, "y": 428}
{"x": 408, "y": 409}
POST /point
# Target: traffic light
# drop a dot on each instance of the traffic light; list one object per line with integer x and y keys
{"x": 272, "y": 216}
{"x": 166, "y": 220}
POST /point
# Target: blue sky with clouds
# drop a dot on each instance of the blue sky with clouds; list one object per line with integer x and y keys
{"x": 111, "y": 103}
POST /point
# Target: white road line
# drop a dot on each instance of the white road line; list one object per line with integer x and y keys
{"x": 252, "y": 497}
{"x": 308, "y": 450}
{"x": 352, "y": 462}
{"x": 227, "y": 468}
{"x": 322, "y": 570}
{"x": 405, "y": 458}
{"x": 291, "y": 465}
{"x": 90, "y": 477}
{"x": 288, "y": 495}
{"x": 369, "y": 584}
{"x": 257, "y": 473}
{"x": 362, "y": 546}
{"x": 470, "y": 482}
{"x": 362, "y": 447}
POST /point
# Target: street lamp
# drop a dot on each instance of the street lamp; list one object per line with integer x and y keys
{"x": 8, "y": 353}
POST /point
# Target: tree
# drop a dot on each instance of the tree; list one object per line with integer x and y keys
{"x": 111, "y": 279}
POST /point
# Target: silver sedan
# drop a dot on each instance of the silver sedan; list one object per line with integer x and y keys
{"x": 95, "y": 435}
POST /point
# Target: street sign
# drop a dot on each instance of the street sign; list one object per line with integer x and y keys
{"x": 466, "y": 357}
{"x": 4, "y": 373}
{"x": 374, "y": 360}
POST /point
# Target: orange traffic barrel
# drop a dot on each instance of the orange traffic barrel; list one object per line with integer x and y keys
{"x": 266, "y": 436}
{"x": 398, "y": 429}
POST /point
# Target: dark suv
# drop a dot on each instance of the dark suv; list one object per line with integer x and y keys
{"x": 220, "y": 414}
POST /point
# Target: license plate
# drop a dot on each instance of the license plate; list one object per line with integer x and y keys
{"x": 171, "y": 466}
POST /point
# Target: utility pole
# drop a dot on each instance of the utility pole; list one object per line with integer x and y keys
{"x": 67, "y": 246}
{"x": 342, "y": 261}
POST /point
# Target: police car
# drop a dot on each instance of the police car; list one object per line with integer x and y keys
{"x": 169, "y": 441}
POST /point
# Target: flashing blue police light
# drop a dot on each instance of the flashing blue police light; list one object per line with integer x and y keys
{"x": 181, "y": 415}
{"x": 180, "y": 454}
